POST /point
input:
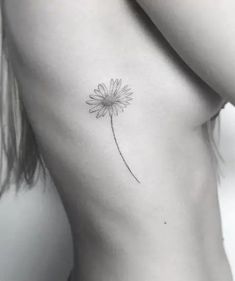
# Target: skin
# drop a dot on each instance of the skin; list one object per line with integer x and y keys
{"x": 166, "y": 228}
{"x": 202, "y": 34}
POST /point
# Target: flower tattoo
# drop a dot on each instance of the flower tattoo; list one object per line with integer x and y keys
{"x": 111, "y": 100}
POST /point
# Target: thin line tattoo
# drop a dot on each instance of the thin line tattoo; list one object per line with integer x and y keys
{"x": 111, "y": 100}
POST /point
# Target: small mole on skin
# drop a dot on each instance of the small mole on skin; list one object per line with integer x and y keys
{"x": 165, "y": 222}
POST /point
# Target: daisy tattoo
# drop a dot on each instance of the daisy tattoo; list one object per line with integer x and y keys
{"x": 111, "y": 100}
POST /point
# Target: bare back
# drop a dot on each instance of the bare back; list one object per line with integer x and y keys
{"x": 139, "y": 186}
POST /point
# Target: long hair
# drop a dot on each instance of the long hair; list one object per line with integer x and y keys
{"x": 20, "y": 158}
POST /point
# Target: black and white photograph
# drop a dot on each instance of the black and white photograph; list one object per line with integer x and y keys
{"x": 117, "y": 140}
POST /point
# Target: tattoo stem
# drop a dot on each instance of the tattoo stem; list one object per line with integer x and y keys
{"x": 116, "y": 142}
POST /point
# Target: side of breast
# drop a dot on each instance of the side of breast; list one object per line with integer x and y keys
{"x": 64, "y": 52}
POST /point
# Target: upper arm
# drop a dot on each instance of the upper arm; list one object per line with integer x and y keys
{"x": 203, "y": 35}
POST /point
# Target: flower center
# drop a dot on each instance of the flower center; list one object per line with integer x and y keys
{"x": 108, "y": 100}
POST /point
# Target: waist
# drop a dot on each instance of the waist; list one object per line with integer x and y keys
{"x": 159, "y": 235}
{"x": 144, "y": 247}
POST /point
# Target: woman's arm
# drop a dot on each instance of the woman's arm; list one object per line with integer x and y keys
{"x": 203, "y": 34}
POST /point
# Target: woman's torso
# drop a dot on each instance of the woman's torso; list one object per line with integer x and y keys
{"x": 168, "y": 226}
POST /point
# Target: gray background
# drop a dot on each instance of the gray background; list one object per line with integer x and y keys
{"x": 35, "y": 240}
